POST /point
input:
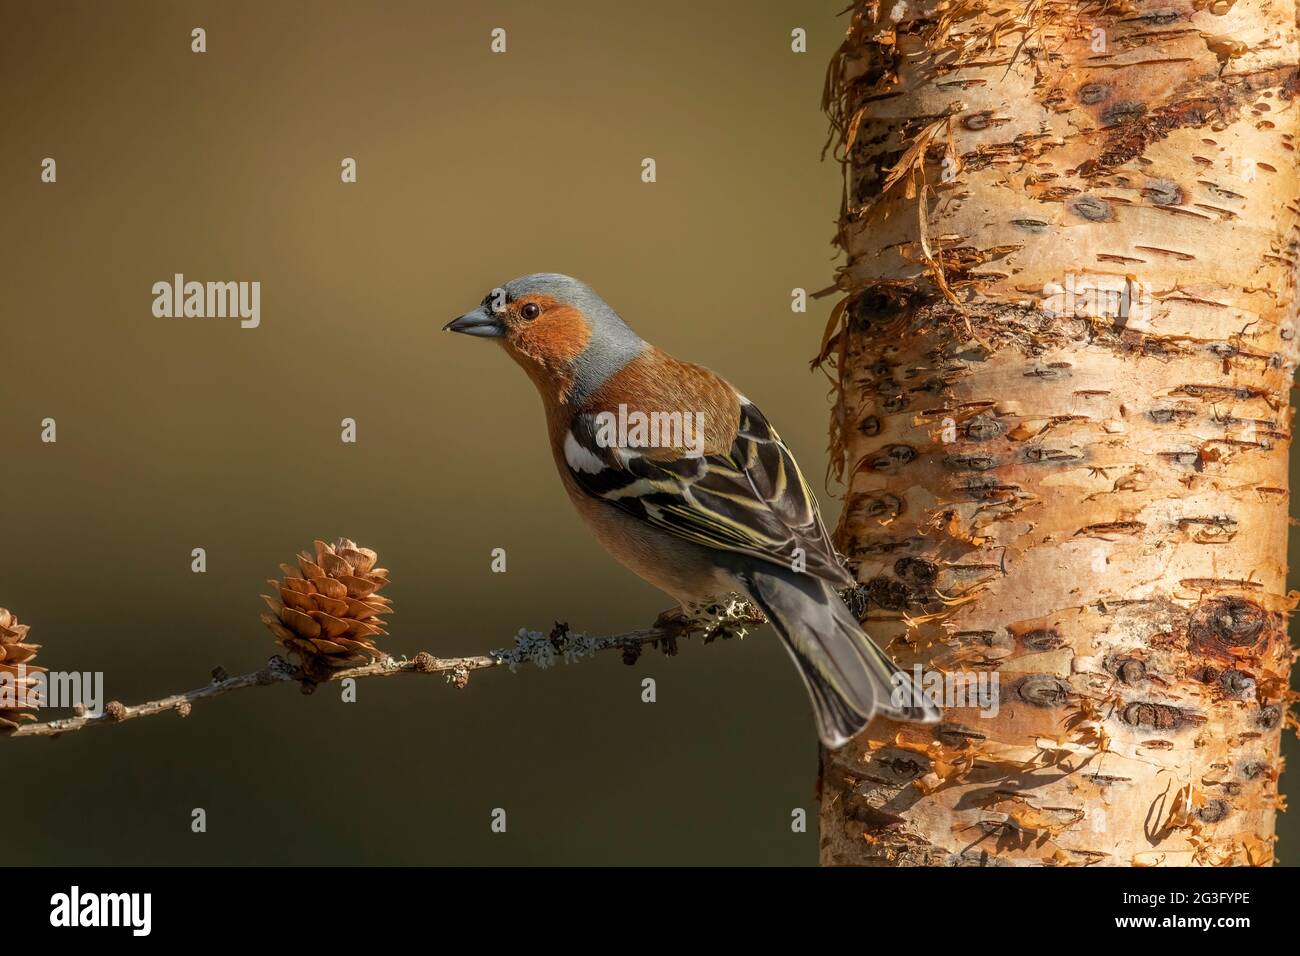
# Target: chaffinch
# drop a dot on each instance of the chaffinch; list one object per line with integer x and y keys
{"x": 684, "y": 481}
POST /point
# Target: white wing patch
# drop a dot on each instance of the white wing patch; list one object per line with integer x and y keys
{"x": 579, "y": 458}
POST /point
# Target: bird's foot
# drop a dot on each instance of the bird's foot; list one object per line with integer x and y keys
{"x": 726, "y": 616}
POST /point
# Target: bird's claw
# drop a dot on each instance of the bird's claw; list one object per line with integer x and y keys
{"x": 729, "y": 615}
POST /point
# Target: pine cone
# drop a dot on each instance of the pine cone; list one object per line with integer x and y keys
{"x": 329, "y": 609}
{"x": 18, "y": 690}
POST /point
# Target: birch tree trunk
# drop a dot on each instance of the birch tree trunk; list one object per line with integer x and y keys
{"x": 1064, "y": 352}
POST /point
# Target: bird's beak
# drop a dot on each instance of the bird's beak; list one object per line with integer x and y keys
{"x": 480, "y": 322}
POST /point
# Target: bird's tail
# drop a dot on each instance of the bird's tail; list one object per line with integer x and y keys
{"x": 848, "y": 677}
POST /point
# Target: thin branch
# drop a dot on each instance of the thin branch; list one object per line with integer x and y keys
{"x": 531, "y": 647}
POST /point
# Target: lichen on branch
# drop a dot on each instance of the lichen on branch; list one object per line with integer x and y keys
{"x": 529, "y": 648}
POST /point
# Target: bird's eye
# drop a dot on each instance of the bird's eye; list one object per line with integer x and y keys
{"x": 530, "y": 311}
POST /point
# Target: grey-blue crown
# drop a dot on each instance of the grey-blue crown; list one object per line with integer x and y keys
{"x": 613, "y": 343}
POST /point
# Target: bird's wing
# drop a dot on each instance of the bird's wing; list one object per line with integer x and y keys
{"x": 750, "y": 500}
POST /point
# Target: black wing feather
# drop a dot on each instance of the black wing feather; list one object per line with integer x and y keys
{"x": 752, "y": 500}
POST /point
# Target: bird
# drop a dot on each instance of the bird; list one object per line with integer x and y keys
{"x": 722, "y": 510}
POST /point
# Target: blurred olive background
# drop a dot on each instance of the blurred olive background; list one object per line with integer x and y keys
{"x": 175, "y": 434}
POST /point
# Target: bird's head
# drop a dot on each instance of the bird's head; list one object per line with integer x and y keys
{"x": 564, "y": 335}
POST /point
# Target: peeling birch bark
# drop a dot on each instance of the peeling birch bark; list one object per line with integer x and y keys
{"x": 1065, "y": 351}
